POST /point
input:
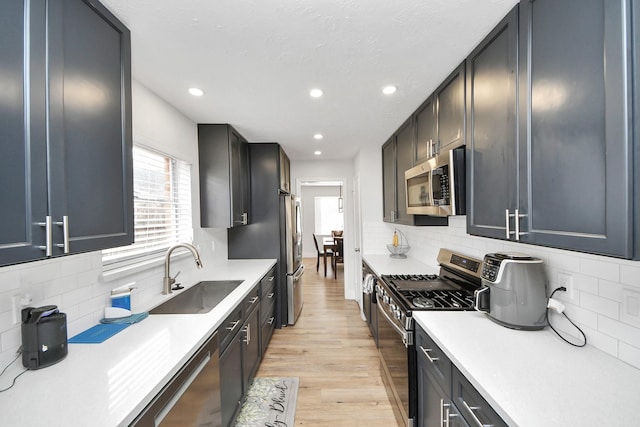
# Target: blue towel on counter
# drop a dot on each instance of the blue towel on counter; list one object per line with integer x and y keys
{"x": 98, "y": 334}
{"x": 134, "y": 318}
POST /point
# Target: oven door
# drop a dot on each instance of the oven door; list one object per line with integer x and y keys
{"x": 398, "y": 366}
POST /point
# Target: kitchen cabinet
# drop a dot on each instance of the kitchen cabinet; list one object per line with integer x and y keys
{"x": 267, "y": 308}
{"x": 264, "y": 237}
{"x": 243, "y": 343}
{"x": 397, "y": 157}
{"x": 66, "y": 130}
{"x": 224, "y": 176}
{"x": 567, "y": 175}
{"x": 426, "y": 123}
{"x": 492, "y": 135}
{"x": 450, "y": 97}
{"x": 285, "y": 171}
{"x": 251, "y": 338}
{"x": 445, "y": 396}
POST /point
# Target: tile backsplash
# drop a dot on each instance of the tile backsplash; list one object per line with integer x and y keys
{"x": 604, "y": 302}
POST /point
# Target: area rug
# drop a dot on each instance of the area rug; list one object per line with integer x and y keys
{"x": 270, "y": 402}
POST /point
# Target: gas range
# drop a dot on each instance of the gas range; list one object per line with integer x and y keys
{"x": 399, "y": 295}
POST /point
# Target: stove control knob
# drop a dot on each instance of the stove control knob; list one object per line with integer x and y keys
{"x": 393, "y": 307}
{"x": 386, "y": 299}
{"x": 397, "y": 314}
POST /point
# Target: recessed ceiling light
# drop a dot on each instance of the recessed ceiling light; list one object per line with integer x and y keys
{"x": 316, "y": 93}
{"x": 388, "y": 90}
{"x": 195, "y": 91}
{"x": 317, "y": 153}
{"x": 318, "y": 136}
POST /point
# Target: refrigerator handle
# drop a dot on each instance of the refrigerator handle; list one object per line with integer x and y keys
{"x": 298, "y": 273}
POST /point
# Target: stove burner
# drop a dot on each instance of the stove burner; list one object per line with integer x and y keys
{"x": 422, "y": 302}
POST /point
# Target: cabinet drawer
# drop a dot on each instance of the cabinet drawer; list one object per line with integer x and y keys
{"x": 252, "y": 300}
{"x": 268, "y": 326}
{"x": 437, "y": 363}
{"x": 471, "y": 404}
{"x": 268, "y": 283}
{"x": 267, "y": 308}
{"x": 229, "y": 327}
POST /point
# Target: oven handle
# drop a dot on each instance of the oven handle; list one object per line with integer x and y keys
{"x": 407, "y": 337}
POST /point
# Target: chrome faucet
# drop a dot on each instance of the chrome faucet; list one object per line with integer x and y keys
{"x": 167, "y": 281}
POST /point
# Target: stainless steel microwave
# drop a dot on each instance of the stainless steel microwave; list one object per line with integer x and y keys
{"x": 437, "y": 186}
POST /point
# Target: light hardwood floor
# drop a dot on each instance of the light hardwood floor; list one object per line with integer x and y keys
{"x": 331, "y": 350}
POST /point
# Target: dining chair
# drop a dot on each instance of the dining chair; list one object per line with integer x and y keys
{"x": 320, "y": 251}
{"x": 336, "y": 233}
{"x": 338, "y": 257}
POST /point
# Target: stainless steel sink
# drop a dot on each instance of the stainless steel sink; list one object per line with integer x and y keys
{"x": 200, "y": 298}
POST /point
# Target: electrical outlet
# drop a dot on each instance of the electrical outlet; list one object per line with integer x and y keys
{"x": 565, "y": 279}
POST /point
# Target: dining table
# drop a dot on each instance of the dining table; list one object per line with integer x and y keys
{"x": 329, "y": 244}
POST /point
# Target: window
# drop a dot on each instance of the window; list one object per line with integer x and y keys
{"x": 162, "y": 207}
{"x": 327, "y": 215}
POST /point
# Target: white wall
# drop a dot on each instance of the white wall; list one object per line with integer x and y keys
{"x": 322, "y": 170}
{"x": 74, "y": 283}
{"x": 599, "y": 281}
{"x": 308, "y": 194}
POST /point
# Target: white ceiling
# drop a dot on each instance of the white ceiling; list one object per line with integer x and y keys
{"x": 256, "y": 60}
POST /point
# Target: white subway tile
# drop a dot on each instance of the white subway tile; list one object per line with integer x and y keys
{"x": 562, "y": 261}
{"x": 60, "y": 286}
{"x": 579, "y": 315}
{"x": 77, "y": 296}
{"x": 610, "y": 290}
{"x": 12, "y": 338}
{"x": 10, "y": 280}
{"x": 619, "y": 330}
{"x": 6, "y": 321}
{"x": 586, "y": 284}
{"x": 79, "y": 325}
{"x": 600, "y": 341}
{"x": 601, "y": 269}
{"x": 40, "y": 272}
{"x": 629, "y": 354}
{"x": 630, "y": 274}
{"x": 603, "y": 306}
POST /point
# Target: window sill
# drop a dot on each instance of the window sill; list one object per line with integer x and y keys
{"x": 113, "y": 272}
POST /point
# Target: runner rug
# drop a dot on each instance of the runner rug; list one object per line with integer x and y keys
{"x": 270, "y": 402}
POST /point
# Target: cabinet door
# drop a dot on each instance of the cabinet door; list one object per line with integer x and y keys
{"x": 389, "y": 181}
{"x": 404, "y": 161}
{"x": 451, "y": 120}
{"x": 492, "y": 129}
{"x": 91, "y": 175}
{"x": 231, "y": 380}
{"x": 576, "y": 146}
{"x": 239, "y": 179}
{"x": 471, "y": 404}
{"x": 251, "y": 348}
{"x": 23, "y": 160}
{"x": 285, "y": 174}
{"x": 426, "y": 120}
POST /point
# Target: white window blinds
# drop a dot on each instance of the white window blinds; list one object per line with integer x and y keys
{"x": 162, "y": 206}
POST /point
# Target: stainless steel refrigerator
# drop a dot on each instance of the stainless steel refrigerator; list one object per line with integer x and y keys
{"x": 295, "y": 268}
{"x": 274, "y": 230}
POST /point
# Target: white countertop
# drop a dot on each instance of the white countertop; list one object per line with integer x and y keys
{"x": 384, "y": 264}
{"x": 108, "y": 384}
{"x": 533, "y": 378}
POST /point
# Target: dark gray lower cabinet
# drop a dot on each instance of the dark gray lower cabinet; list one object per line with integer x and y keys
{"x": 445, "y": 396}
{"x": 369, "y": 304}
{"x": 250, "y": 347}
{"x": 267, "y": 308}
{"x": 65, "y": 129}
{"x": 231, "y": 391}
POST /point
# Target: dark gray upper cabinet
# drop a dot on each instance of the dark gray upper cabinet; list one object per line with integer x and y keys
{"x": 576, "y": 149}
{"x": 492, "y": 129}
{"x": 389, "y": 202}
{"x": 550, "y": 138}
{"x": 66, "y": 134}
{"x": 285, "y": 172}
{"x": 404, "y": 161}
{"x": 451, "y": 113}
{"x": 426, "y": 123}
{"x": 224, "y": 176}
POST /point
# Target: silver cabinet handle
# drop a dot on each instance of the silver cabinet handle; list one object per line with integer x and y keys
{"x": 426, "y": 353}
{"x": 245, "y": 218}
{"x": 233, "y": 325}
{"x": 271, "y": 295}
{"x": 442, "y": 419}
{"x": 247, "y": 329}
{"x": 253, "y": 300}
{"x": 507, "y": 221}
{"x": 270, "y": 279}
{"x": 48, "y": 246}
{"x": 65, "y": 232}
{"x": 472, "y": 410}
{"x": 271, "y": 319}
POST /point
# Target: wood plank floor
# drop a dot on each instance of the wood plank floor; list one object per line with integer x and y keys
{"x": 331, "y": 350}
